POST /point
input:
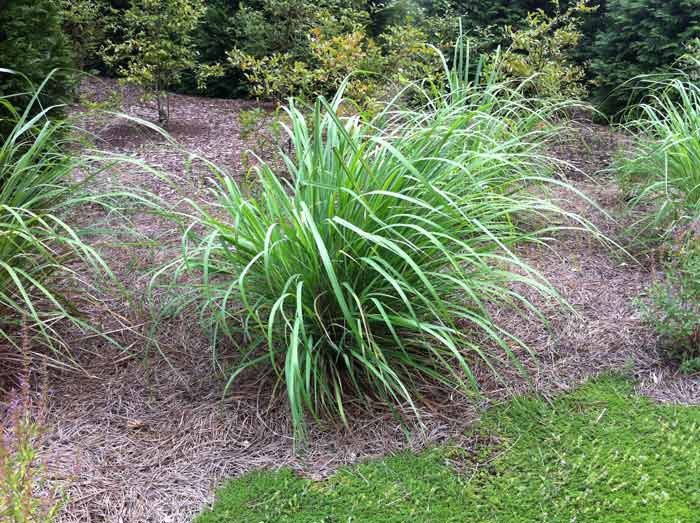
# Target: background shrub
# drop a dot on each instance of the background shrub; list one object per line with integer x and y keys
{"x": 498, "y": 13}
{"x": 32, "y": 42}
{"x": 212, "y": 38}
{"x": 156, "y": 47}
{"x": 618, "y": 41}
{"x": 301, "y": 48}
{"x": 86, "y": 23}
{"x": 634, "y": 37}
{"x": 540, "y": 50}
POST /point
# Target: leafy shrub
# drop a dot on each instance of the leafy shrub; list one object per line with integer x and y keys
{"x": 396, "y": 12}
{"x": 638, "y": 37}
{"x": 499, "y": 12}
{"x": 157, "y": 47}
{"x": 368, "y": 263}
{"x": 317, "y": 47}
{"x": 438, "y": 19}
{"x": 332, "y": 59}
{"x": 409, "y": 56}
{"x": 264, "y": 27}
{"x": 341, "y": 55}
{"x": 33, "y": 52}
{"x": 85, "y": 23}
{"x": 300, "y": 48}
{"x": 540, "y": 49}
{"x": 487, "y": 19}
{"x": 402, "y": 55}
{"x": 690, "y": 61}
{"x": 37, "y": 247}
{"x": 674, "y": 310}
{"x": 276, "y": 76}
{"x": 661, "y": 174}
{"x": 212, "y": 38}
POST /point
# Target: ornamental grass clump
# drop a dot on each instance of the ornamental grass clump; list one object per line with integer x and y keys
{"x": 37, "y": 247}
{"x": 662, "y": 174}
{"x": 370, "y": 263}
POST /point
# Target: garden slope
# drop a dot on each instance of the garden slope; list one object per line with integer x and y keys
{"x": 150, "y": 443}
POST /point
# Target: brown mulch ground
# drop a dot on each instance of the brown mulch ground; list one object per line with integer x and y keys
{"x": 141, "y": 440}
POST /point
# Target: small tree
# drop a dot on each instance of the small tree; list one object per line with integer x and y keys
{"x": 157, "y": 46}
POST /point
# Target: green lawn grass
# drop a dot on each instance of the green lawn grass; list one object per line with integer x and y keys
{"x": 599, "y": 454}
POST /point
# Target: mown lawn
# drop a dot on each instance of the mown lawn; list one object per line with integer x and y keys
{"x": 599, "y": 454}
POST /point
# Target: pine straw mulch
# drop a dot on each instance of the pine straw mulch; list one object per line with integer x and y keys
{"x": 145, "y": 440}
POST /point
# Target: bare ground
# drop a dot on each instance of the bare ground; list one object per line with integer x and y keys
{"x": 145, "y": 440}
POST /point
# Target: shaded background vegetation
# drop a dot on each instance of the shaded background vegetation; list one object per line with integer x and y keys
{"x": 619, "y": 40}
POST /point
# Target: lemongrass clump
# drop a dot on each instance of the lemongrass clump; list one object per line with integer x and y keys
{"x": 372, "y": 261}
{"x": 662, "y": 172}
{"x": 37, "y": 246}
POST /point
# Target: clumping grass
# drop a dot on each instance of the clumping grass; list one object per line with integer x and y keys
{"x": 662, "y": 177}
{"x": 661, "y": 174}
{"x": 369, "y": 263}
{"x": 599, "y": 454}
{"x": 38, "y": 247}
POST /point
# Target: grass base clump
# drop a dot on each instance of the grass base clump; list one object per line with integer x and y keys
{"x": 661, "y": 174}
{"x": 599, "y": 454}
{"x": 370, "y": 264}
{"x": 38, "y": 247}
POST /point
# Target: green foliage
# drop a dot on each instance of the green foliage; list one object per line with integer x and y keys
{"x": 662, "y": 180}
{"x": 498, "y": 12}
{"x": 212, "y": 38}
{"x": 409, "y": 57}
{"x": 278, "y": 59}
{"x": 32, "y": 42}
{"x": 37, "y": 247}
{"x": 636, "y": 37}
{"x": 300, "y": 48}
{"x": 661, "y": 173}
{"x": 690, "y": 61}
{"x": 25, "y": 496}
{"x": 84, "y": 21}
{"x": 438, "y": 18}
{"x": 598, "y": 455}
{"x": 266, "y": 129}
{"x": 265, "y": 27}
{"x": 674, "y": 310}
{"x": 156, "y": 47}
{"x": 332, "y": 60}
{"x": 367, "y": 263}
{"x": 487, "y": 19}
{"x": 539, "y": 50}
